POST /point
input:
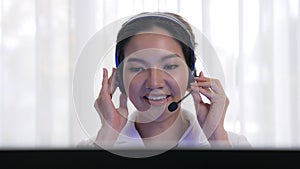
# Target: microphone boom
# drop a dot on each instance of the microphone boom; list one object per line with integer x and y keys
{"x": 174, "y": 105}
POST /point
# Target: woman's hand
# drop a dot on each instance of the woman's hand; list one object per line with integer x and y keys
{"x": 211, "y": 115}
{"x": 113, "y": 120}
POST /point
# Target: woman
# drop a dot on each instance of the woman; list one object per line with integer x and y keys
{"x": 155, "y": 63}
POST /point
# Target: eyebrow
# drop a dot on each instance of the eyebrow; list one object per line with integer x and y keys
{"x": 162, "y": 59}
{"x": 135, "y": 60}
{"x": 169, "y": 56}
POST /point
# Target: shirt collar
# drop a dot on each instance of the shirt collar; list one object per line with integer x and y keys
{"x": 192, "y": 137}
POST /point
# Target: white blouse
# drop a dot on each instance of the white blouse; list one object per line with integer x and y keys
{"x": 193, "y": 137}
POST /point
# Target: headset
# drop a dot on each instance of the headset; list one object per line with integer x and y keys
{"x": 154, "y": 15}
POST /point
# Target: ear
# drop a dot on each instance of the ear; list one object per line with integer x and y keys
{"x": 119, "y": 79}
{"x": 191, "y": 78}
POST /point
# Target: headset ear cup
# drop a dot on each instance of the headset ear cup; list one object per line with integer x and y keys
{"x": 120, "y": 80}
{"x": 191, "y": 78}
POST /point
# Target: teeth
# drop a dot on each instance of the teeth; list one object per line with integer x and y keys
{"x": 156, "y": 97}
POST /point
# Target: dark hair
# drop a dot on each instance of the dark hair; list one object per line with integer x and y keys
{"x": 182, "y": 33}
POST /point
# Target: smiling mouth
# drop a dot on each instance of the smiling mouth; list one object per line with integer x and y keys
{"x": 157, "y": 100}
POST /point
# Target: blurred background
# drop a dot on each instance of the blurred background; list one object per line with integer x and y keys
{"x": 257, "y": 42}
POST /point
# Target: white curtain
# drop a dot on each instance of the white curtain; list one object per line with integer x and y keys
{"x": 257, "y": 42}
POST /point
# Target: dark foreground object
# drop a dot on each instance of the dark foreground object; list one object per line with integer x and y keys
{"x": 170, "y": 159}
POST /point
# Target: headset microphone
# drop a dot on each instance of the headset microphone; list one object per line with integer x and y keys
{"x": 174, "y": 105}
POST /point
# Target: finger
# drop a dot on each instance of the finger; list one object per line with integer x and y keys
{"x": 195, "y": 93}
{"x": 200, "y": 79}
{"x": 123, "y": 101}
{"x": 214, "y": 84}
{"x": 213, "y": 119}
{"x": 201, "y": 74}
{"x": 112, "y": 82}
{"x": 205, "y": 84}
{"x": 210, "y": 85}
{"x": 217, "y": 86}
{"x": 196, "y": 97}
{"x": 206, "y": 92}
{"x": 123, "y": 105}
{"x": 104, "y": 82}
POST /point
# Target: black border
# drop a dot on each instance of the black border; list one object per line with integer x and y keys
{"x": 66, "y": 158}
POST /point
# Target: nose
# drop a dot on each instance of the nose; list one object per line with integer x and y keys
{"x": 155, "y": 79}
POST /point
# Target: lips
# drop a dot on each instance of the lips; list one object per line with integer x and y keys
{"x": 156, "y": 100}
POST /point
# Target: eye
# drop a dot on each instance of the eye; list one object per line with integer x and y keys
{"x": 169, "y": 67}
{"x": 136, "y": 69}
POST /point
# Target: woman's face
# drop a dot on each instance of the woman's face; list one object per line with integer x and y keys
{"x": 155, "y": 72}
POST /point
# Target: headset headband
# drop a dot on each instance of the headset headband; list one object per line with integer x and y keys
{"x": 165, "y": 16}
{"x": 160, "y": 15}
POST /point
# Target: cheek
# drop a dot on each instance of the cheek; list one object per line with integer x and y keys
{"x": 133, "y": 85}
{"x": 179, "y": 80}
{"x": 133, "y": 81}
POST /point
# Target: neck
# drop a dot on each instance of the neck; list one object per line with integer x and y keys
{"x": 171, "y": 128}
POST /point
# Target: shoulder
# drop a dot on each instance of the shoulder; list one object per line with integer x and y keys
{"x": 238, "y": 140}
{"x": 86, "y": 144}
